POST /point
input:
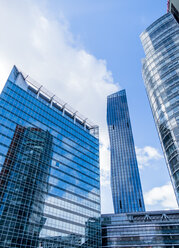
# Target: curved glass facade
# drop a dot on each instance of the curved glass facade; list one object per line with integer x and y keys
{"x": 49, "y": 171}
{"x": 125, "y": 180}
{"x": 161, "y": 76}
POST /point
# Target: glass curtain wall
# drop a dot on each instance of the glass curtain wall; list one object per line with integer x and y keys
{"x": 49, "y": 171}
{"x": 161, "y": 77}
{"x": 125, "y": 180}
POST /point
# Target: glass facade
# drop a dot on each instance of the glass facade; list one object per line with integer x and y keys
{"x": 161, "y": 77}
{"x": 156, "y": 229}
{"x": 125, "y": 180}
{"x": 49, "y": 170}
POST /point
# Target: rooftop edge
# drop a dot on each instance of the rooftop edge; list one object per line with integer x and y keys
{"x": 64, "y": 107}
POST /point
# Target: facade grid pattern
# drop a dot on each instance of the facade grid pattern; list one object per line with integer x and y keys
{"x": 49, "y": 173}
{"x": 156, "y": 229}
{"x": 125, "y": 180}
{"x": 161, "y": 77}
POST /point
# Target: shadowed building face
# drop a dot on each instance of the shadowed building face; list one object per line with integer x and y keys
{"x": 173, "y": 7}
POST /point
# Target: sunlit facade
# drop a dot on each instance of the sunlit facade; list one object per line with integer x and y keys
{"x": 161, "y": 76}
{"x": 156, "y": 229}
{"x": 125, "y": 180}
{"x": 49, "y": 170}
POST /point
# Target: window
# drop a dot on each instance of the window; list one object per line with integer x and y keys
{"x": 120, "y": 204}
{"x": 140, "y": 204}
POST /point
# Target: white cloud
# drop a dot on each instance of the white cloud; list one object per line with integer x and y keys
{"x": 161, "y": 197}
{"x": 146, "y": 155}
{"x": 105, "y": 157}
{"x": 45, "y": 49}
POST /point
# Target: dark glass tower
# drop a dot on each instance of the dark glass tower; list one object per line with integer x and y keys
{"x": 125, "y": 180}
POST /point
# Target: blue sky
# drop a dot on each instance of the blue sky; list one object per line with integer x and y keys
{"x": 92, "y": 47}
{"x": 110, "y": 30}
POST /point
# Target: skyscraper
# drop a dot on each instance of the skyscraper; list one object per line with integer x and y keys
{"x": 161, "y": 77}
{"x": 125, "y": 180}
{"x": 49, "y": 170}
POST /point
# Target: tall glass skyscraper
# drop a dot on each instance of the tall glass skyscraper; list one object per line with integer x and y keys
{"x": 49, "y": 170}
{"x": 125, "y": 180}
{"x": 161, "y": 76}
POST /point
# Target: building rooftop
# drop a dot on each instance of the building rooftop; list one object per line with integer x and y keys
{"x": 55, "y": 101}
{"x": 139, "y": 217}
{"x": 118, "y": 93}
